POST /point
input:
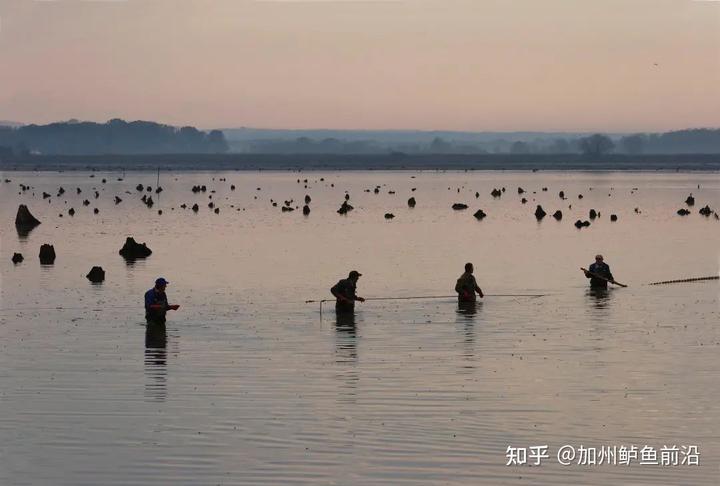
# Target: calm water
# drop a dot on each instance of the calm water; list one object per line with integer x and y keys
{"x": 250, "y": 385}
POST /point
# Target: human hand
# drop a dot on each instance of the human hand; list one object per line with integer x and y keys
{"x": 361, "y": 299}
{"x": 174, "y": 307}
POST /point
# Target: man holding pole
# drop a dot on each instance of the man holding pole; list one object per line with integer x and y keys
{"x": 599, "y": 273}
{"x": 344, "y": 292}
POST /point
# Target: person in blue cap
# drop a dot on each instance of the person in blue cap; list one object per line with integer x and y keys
{"x": 156, "y": 304}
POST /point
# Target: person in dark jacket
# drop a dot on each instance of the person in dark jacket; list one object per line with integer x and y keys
{"x": 466, "y": 286}
{"x": 156, "y": 303}
{"x": 599, "y": 269}
{"x": 345, "y": 293}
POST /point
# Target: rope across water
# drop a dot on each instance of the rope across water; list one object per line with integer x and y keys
{"x": 684, "y": 280}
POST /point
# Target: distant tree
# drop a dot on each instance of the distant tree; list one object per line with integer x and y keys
{"x": 633, "y": 144}
{"x": 700, "y": 140}
{"x": 596, "y": 145}
{"x": 439, "y": 146}
{"x": 217, "y": 143}
{"x": 190, "y": 140}
{"x": 114, "y": 137}
{"x": 21, "y": 149}
{"x": 560, "y": 146}
{"x": 5, "y": 152}
{"x": 520, "y": 148}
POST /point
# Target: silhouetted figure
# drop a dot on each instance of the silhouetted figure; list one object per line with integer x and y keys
{"x": 599, "y": 273}
{"x": 156, "y": 303}
{"x": 466, "y": 285}
{"x": 345, "y": 293}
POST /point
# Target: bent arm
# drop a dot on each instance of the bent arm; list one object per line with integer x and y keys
{"x": 476, "y": 287}
{"x": 340, "y": 297}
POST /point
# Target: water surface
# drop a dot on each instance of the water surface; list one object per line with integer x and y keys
{"x": 248, "y": 384}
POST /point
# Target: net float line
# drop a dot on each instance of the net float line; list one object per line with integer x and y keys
{"x": 684, "y": 280}
{"x": 426, "y": 297}
{"x": 431, "y": 297}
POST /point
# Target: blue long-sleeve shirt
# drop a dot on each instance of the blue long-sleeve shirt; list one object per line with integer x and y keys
{"x": 153, "y": 297}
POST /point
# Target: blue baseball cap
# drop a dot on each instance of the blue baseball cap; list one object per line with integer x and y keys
{"x": 161, "y": 281}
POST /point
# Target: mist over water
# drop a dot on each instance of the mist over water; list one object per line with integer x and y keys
{"x": 248, "y": 384}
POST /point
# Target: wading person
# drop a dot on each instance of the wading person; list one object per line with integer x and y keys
{"x": 344, "y": 293}
{"x": 466, "y": 286}
{"x": 156, "y": 304}
{"x": 599, "y": 273}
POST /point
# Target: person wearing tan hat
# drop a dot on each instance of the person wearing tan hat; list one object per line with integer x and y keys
{"x": 345, "y": 293}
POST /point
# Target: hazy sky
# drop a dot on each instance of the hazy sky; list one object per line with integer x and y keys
{"x": 575, "y": 65}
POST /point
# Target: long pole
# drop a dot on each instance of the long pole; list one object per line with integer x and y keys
{"x": 601, "y": 277}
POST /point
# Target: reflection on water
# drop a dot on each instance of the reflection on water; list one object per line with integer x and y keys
{"x": 599, "y": 298}
{"x": 467, "y": 314}
{"x": 156, "y": 361}
{"x": 346, "y": 354}
{"x": 346, "y": 337}
{"x": 404, "y": 392}
{"x": 468, "y": 309}
{"x": 23, "y": 232}
{"x": 133, "y": 261}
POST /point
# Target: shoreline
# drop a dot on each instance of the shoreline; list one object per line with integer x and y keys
{"x": 391, "y": 162}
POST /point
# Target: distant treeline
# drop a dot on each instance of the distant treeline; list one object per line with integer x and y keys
{"x": 114, "y": 137}
{"x": 141, "y": 137}
{"x": 698, "y": 141}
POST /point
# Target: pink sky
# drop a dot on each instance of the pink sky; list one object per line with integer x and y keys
{"x": 571, "y": 65}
